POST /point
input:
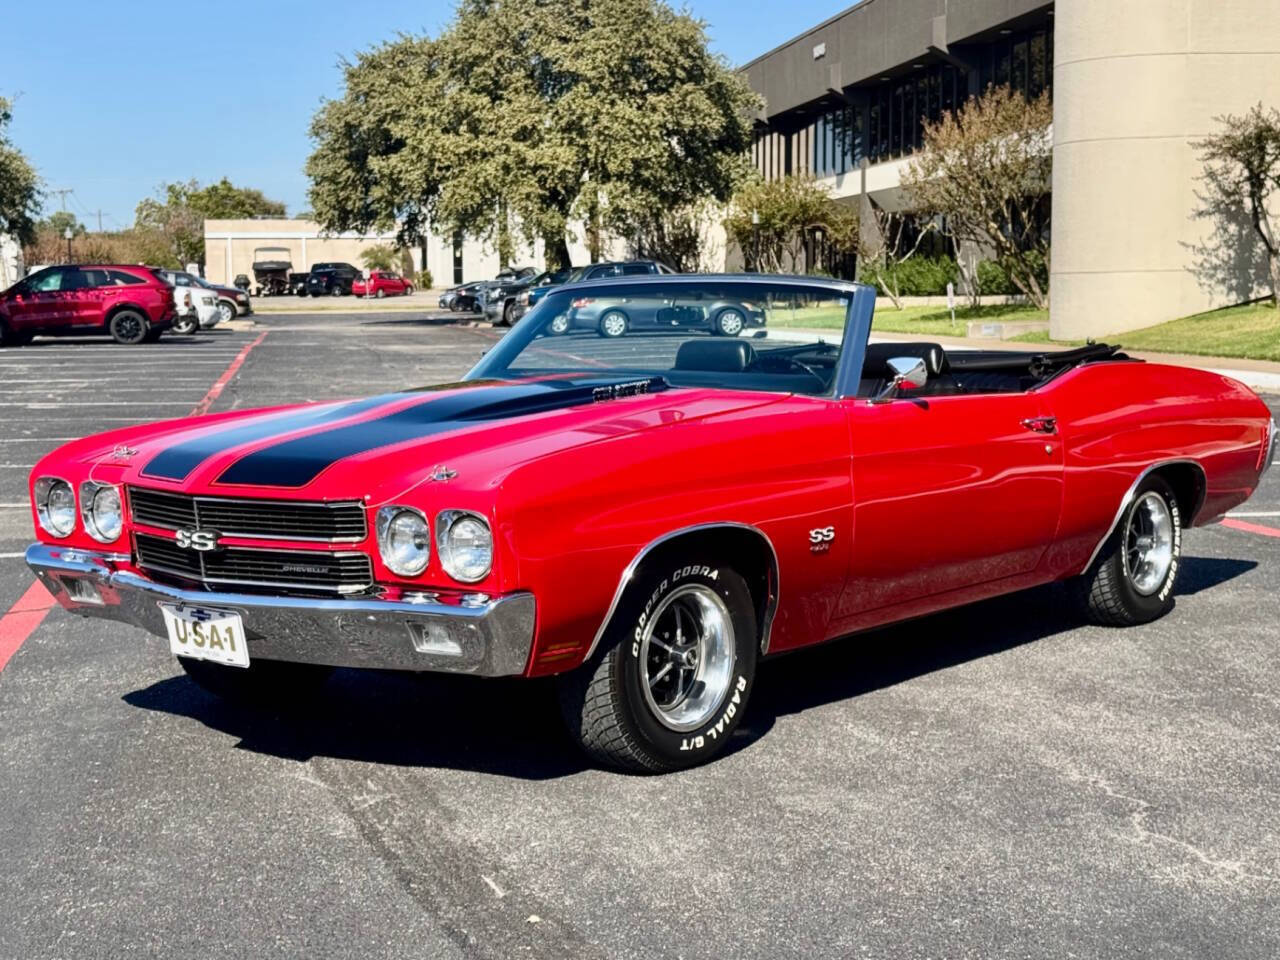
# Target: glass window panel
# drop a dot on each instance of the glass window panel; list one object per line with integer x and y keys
{"x": 1018, "y": 79}
{"x": 1037, "y": 72}
{"x": 895, "y": 121}
{"x": 1002, "y": 65}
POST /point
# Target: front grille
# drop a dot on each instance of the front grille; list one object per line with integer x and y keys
{"x": 262, "y": 519}
{"x": 305, "y": 570}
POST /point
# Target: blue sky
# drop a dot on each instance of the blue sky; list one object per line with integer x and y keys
{"x": 114, "y": 99}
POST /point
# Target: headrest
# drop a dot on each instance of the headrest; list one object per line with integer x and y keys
{"x": 879, "y": 354}
{"x": 719, "y": 356}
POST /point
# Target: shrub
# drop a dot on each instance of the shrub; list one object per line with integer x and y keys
{"x": 993, "y": 277}
{"x": 424, "y": 279}
{"x": 917, "y": 276}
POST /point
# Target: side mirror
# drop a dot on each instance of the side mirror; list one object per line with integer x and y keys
{"x": 908, "y": 373}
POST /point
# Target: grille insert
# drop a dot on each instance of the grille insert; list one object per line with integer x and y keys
{"x": 308, "y": 570}
{"x": 259, "y": 519}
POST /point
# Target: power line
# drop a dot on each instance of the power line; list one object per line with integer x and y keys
{"x": 62, "y": 194}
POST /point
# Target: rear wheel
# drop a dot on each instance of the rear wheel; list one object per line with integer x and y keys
{"x": 263, "y": 682}
{"x": 408, "y": 289}
{"x": 559, "y": 324}
{"x": 670, "y": 680}
{"x": 188, "y": 324}
{"x": 127, "y": 327}
{"x": 1133, "y": 578}
{"x": 381, "y": 293}
{"x": 335, "y": 292}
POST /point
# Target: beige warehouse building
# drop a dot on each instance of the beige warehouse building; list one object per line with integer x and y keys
{"x": 1134, "y": 83}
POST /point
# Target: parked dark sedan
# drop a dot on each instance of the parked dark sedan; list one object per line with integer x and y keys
{"x": 599, "y": 271}
{"x": 679, "y": 308}
{"x": 331, "y": 279}
{"x": 466, "y": 298}
{"x": 505, "y": 303}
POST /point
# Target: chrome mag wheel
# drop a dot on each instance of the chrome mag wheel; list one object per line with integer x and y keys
{"x": 559, "y": 324}
{"x": 1148, "y": 543}
{"x": 687, "y": 649}
{"x": 613, "y": 324}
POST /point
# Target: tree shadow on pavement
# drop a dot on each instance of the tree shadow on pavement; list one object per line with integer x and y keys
{"x": 511, "y": 726}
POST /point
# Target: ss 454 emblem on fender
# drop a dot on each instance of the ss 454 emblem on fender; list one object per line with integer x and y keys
{"x": 820, "y": 539}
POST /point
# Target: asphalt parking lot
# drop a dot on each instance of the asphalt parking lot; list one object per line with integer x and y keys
{"x": 999, "y": 781}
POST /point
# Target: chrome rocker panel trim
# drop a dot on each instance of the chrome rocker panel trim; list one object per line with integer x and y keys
{"x": 771, "y": 609}
{"x": 492, "y": 639}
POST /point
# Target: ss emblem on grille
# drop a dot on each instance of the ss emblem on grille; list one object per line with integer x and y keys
{"x": 190, "y": 538}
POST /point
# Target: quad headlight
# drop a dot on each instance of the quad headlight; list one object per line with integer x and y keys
{"x": 465, "y": 543}
{"x": 55, "y": 506}
{"x": 404, "y": 540}
{"x": 101, "y": 510}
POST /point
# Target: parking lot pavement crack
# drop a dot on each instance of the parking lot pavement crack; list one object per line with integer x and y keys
{"x": 1141, "y": 833}
{"x": 456, "y": 882}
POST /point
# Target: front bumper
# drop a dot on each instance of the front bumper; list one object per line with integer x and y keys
{"x": 489, "y": 637}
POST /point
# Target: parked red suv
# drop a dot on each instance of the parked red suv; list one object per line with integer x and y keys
{"x": 381, "y": 283}
{"x": 130, "y": 303}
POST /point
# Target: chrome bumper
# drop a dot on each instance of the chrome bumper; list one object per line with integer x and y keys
{"x": 491, "y": 638}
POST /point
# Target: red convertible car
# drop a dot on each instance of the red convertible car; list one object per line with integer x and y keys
{"x": 647, "y": 517}
{"x": 381, "y": 283}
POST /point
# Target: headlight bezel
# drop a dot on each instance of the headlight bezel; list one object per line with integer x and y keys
{"x": 90, "y": 490}
{"x": 40, "y": 495}
{"x": 446, "y": 520}
{"x": 383, "y": 522}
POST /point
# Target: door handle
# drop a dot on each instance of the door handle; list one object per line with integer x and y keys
{"x": 1041, "y": 424}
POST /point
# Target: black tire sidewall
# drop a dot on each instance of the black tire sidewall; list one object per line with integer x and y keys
{"x": 672, "y": 748}
{"x": 1149, "y": 607}
{"x": 142, "y": 327}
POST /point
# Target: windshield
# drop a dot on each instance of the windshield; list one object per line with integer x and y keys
{"x": 782, "y": 336}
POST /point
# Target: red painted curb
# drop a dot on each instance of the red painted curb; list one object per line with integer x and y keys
{"x": 1251, "y": 527}
{"x": 21, "y": 620}
{"x": 215, "y": 391}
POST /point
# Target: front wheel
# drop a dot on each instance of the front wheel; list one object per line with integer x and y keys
{"x": 613, "y": 324}
{"x": 263, "y": 682}
{"x": 186, "y": 324}
{"x": 669, "y": 682}
{"x": 508, "y": 314}
{"x": 1133, "y": 578}
{"x": 381, "y": 293}
{"x": 226, "y": 310}
{"x": 730, "y": 323}
{"x": 408, "y": 290}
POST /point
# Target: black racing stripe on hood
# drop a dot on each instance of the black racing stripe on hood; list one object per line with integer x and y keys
{"x": 295, "y": 463}
{"x": 177, "y": 462}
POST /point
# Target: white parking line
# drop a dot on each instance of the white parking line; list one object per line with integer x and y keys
{"x": 1254, "y": 513}
{"x": 12, "y": 556}
{"x": 36, "y": 439}
{"x": 96, "y": 403}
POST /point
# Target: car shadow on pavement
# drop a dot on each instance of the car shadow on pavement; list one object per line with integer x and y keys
{"x": 507, "y": 727}
{"x": 511, "y": 726}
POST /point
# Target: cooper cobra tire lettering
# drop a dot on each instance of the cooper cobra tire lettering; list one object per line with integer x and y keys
{"x": 607, "y": 702}
{"x": 1177, "y": 552}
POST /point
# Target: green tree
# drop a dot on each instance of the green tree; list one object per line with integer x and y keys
{"x": 1242, "y": 183}
{"x": 179, "y": 210}
{"x": 789, "y": 211}
{"x": 58, "y": 222}
{"x": 987, "y": 169}
{"x": 19, "y": 185}
{"x": 382, "y": 256}
{"x": 532, "y": 114}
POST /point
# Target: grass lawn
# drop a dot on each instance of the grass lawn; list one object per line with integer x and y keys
{"x": 931, "y": 320}
{"x": 1251, "y": 331}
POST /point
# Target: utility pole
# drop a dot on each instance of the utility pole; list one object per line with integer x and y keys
{"x": 99, "y": 215}
{"x": 62, "y": 196}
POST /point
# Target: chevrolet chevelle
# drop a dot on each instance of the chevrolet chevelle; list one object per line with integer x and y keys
{"x": 646, "y": 517}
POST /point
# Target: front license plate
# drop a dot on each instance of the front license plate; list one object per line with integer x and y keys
{"x": 206, "y": 634}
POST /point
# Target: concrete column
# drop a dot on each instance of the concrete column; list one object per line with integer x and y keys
{"x": 1135, "y": 83}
